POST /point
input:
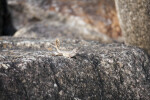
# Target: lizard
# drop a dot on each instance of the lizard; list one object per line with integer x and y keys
{"x": 67, "y": 54}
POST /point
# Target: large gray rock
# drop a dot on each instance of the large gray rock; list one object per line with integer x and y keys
{"x": 99, "y": 71}
{"x": 134, "y": 19}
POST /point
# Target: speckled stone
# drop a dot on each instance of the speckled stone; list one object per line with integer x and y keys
{"x": 134, "y": 16}
{"x": 29, "y": 71}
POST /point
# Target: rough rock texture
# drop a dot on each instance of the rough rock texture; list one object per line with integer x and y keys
{"x": 6, "y": 26}
{"x": 99, "y": 71}
{"x": 135, "y": 22}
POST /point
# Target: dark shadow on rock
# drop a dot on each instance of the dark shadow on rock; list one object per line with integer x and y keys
{"x": 6, "y": 27}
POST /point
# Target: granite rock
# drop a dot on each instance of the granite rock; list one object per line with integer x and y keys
{"x": 135, "y": 22}
{"x": 29, "y": 70}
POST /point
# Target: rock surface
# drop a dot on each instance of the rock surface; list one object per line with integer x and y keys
{"x": 135, "y": 22}
{"x": 101, "y": 14}
{"x": 53, "y": 24}
{"x": 59, "y": 26}
{"x": 28, "y": 70}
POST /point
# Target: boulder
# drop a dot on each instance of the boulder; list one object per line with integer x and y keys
{"x": 135, "y": 22}
{"x": 33, "y": 21}
{"x": 101, "y": 14}
{"x": 30, "y": 70}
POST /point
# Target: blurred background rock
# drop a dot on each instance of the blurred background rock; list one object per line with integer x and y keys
{"x": 100, "y": 14}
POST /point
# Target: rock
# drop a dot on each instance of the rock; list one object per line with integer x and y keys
{"x": 92, "y": 13}
{"x": 62, "y": 27}
{"x": 52, "y": 24}
{"x": 28, "y": 70}
{"x": 26, "y": 14}
{"x": 135, "y": 22}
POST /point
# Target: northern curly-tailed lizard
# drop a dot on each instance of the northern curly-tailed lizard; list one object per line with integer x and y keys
{"x": 59, "y": 52}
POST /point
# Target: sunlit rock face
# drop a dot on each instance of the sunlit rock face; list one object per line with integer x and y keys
{"x": 135, "y": 22}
